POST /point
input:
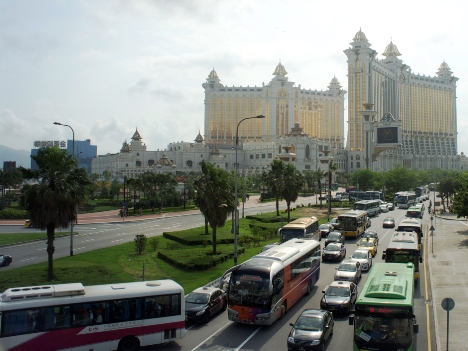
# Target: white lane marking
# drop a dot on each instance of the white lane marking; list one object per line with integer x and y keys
{"x": 245, "y": 341}
{"x": 114, "y": 241}
{"x": 208, "y": 338}
{"x": 28, "y": 259}
{"x": 79, "y": 248}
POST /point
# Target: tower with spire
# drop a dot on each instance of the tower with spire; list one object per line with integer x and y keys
{"x": 388, "y": 86}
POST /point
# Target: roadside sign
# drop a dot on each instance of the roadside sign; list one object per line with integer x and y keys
{"x": 448, "y": 304}
{"x": 432, "y": 228}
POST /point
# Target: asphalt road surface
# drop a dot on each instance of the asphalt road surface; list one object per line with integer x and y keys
{"x": 220, "y": 334}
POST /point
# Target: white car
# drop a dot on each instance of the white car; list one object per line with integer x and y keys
{"x": 384, "y": 207}
{"x": 364, "y": 257}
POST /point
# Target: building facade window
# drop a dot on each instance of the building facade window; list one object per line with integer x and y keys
{"x": 251, "y": 157}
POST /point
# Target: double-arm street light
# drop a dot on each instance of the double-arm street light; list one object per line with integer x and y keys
{"x": 236, "y": 213}
{"x": 73, "y": 153}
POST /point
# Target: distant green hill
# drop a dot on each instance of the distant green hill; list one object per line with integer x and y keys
{"x": 22, "y": 157}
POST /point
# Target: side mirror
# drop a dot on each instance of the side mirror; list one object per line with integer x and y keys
{"x": 415, "y": 328}
{"x": 351, "y": 319}
{"x": 336, "y": 268}
{"x": 420, "y": 259}
{"x": 291, "y": 324}
{"x": 384, "y": 255}
{"x": 323, "y": 291}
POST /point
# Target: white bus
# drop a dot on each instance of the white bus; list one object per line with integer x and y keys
{"x": 372, "y": 207}
{"x": 122, "y": 316}
{"x": 405, "y": 200}
{"x": 262, "y": 289}
{"x": 301, "y": 228}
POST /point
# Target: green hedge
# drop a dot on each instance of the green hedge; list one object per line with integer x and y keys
{"x": 190, "y": 260}
{"x": 11, "y": 213}
{"x": 200, "y": 239}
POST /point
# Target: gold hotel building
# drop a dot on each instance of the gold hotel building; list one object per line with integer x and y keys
{"x": 319, "y": 113}
{"x": 425, "y": 105}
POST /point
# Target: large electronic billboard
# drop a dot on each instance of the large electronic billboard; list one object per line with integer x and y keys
{"x": 387, "y": 135}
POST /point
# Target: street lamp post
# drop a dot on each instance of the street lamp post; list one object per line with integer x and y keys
{"x": 73, "y": 153}
{"x": 236, "y": 213}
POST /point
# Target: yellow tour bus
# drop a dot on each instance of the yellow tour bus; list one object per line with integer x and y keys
{"x": 354, "y": 223}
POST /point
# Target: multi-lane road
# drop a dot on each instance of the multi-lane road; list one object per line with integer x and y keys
{"x": 220, "y": 334}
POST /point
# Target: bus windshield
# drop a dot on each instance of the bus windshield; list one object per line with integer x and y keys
{"x": 250, "y": 290}
{"x": 347, "y": 223}
{"x": 288, "y": 234}
{"x": 402, "y": 199}
{"x": 381, "y": 326}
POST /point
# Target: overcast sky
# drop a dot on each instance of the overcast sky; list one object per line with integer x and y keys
{"x": 107, "y": 67}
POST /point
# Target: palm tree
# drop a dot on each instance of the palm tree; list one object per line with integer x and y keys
{"x": 215, "y": 196}
{"x": 332, "y": 167}
{"x": 319, "y": 174}
{"x": 293, "y": 181}
{"x": 274, "y": 180}
{"x": 52, "y": 201}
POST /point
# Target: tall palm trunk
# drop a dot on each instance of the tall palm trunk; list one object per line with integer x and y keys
{"x": 214, "y": 239}
{"x": 50, "y": 251}
{"x": 277, "y": 206}
{"x": 288, "y": 203}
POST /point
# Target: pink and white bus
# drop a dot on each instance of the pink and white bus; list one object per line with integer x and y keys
{"x": 121, "y": 316}
{"x": 262, "y": 289}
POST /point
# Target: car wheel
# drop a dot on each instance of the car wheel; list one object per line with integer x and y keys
{"x": 309, "y": 287}
{"x": 129, "y": 343}
{"x": 283, "y": 310}
{"x": 206, "y": 317}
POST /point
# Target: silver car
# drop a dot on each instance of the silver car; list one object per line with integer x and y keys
{"x": 349, "y": 271}
{"x": 364, "y": 257}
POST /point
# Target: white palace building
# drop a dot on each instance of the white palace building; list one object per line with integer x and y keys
{"x": 306, "y": 126}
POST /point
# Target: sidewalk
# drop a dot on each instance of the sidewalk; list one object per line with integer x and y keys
{"x": 447, "y": 262}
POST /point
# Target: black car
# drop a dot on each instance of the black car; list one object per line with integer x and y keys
{"x": 339, "y": 297}
{"x": 203, "y": 303}
{"x": 335, "y": 224}
{"x": 334, "y": 199}
{"x": 334, "y": 237}
{"x": 5, "y": 260}
{"x": 371, "y": 234}
{"x": 334, "y": 252}
{"x": 325, "y": 229}
{"x": 311, "y": 331}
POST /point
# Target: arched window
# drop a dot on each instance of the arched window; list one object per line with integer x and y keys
{"x": 138, "y": 163}
{"x": 307, "y": 151}
{"x": 150, "y": 162}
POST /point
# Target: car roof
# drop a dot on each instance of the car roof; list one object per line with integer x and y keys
{"x": 333, "y": 244}
{"x": 367, "y": 239}
{"x": 340, "y": 283}
{"x": 335, "y": 232}
{"x": 314, "y": 313}
{"x": 206, "y": 290}
{"x": 348, "y": 262}
{"x": 361, "y": 250}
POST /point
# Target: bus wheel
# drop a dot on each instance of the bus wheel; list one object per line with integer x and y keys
{"x": 129, "y": 343}
{"x": 309, "y": 287}
{"x": 283, "y": 310}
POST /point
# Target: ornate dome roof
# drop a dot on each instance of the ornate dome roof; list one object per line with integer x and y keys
{"x": 391, "y": 50}
{"x": 213, "y": 74}
{"x": 388, "y": 117}
{"x": 444, "y": 67}
{"x": 164, "y": 161}
{"x": 199, "y": 139}
{"x": 360, "y": 36}
{"x": 334, "y": 81}
{"x": 136, "y": 135}
{"x": 125, "y": 147}
{"x": 280, "y": 70}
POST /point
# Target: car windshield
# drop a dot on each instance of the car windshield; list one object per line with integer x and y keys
{"x": 332, "y": 247}
{"x": 338, "y": 291}
{"x": 360, "y": 255}
{"x": 347, "y": 267}
{"x": 334, "y": 220}
{"x": 199, "y": 298}
{"x": 388, "y": 219}
{"x": 324, "y": 226}
{"x": 366, "y": 244}
{"x": 309, "y": 323}
{"x": 334, "y": 236}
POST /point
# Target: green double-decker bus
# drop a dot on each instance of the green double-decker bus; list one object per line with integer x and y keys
{"x": 383, "y": 318}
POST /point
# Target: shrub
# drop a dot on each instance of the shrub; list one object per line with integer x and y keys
{"x": 172, "y": 246}
{"x": 11, "y": 213}
{"x": 154, "y": 243}
{"x": 140, "y": 243}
